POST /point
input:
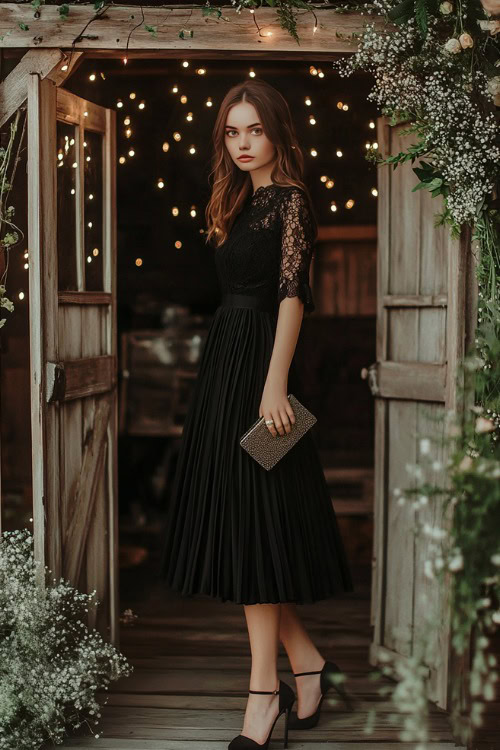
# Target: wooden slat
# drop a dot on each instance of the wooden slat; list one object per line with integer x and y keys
{"x": 415, "y": 300}
{"x": 419, "y": 381}
{"x": 347, "y": 232}
{"x": 238, "y": 32}
{"x": 85, "y": 298}
{"x": 84, "y": 377}
{"x": 94, "y": 455}
{"x": 71, "y": 108}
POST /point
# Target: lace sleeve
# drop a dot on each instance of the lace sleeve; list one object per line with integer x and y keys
{"x": 296, "y": 249}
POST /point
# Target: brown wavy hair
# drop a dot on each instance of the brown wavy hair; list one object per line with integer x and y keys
{"x": 231, "y": 186}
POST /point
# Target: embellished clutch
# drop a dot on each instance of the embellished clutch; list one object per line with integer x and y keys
{"x": 267, "y": 449}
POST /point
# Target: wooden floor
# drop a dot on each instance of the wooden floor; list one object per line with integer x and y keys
{"x": 192, "y": 662}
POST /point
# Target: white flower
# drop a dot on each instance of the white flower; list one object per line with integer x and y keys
{"x": 496, "y": 617}
{"x": 456, "y": 563}
{"x": 492, "y": 26}
{"x": 495, "y": 559}
{"x": 425, "y": 446}
{"x": 396, "y": 492}
{"x": 484, "y": 425}
{"x": 428, "y": 570}
{"x": 453, "y": 46}
{"x": 423, "y": 500}
{"x": 437, "y": 465}
{"x": 446, "y": 8}
{"x": 465, "y": 464}
{"x": 466, "y": 40}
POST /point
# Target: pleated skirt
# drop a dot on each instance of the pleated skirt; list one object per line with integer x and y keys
{"x": 235, "y": 531}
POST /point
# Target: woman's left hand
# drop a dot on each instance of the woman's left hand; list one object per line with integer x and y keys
{"x": 275, "y": 405}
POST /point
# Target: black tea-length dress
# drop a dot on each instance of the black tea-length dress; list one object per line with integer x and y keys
{"x": 235, "y": 531}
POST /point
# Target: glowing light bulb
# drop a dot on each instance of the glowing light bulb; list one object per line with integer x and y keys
{"x": 26, "y": 254}
{"x": 339, "y": 153}
{"x": 371, "y": 124}
{"x": 193, "y": 211}
{"x": 166, "y": 146}
{"x": 323, "y": 178}
{"x": 178, "y": 244}
{"x": 375, "y": 145}
{"x": 119, "y": 104}
{"x": 340, "y": 105}
{"x": 85, "y": 114}
{"x": 128, "y": 132}
{"x": 126, "y": 120}
{"x": 64, "y": 67}
{"x": 209, "y": 102}
{"x": 125, "y": 60}
{"x": 312, "y": 120}
{"x": 345, "y": 107}
{"x": 142, "y": 104}
{"x": 175, "y": 89}
{"x": 92, "y": 77}
{"x": 60, "y": 156}
{"x": 320, "y": 73}
{"x": 88, "y": 158}
{"x": 89, "y": 259}
{"x": 192, "y": 150}
{"x": 313, "y": 71}
{"x": 185, "y": 63}
{"x": 314, "y": 152}
{"x": 132, "y": 95}
{"x": 308, "y": 101}
{"x": 131, "y": 152}
{"x": 21, "y": 295}
{"x": 189, "y": 116}
{"x": 252, "y": 73}
{"x": 184, "y": 99}
{"x": 329, "y": 184}
{"x": 333, "y": 206}
{"x": 138, "y": 262}
{"x": 73, "y": 191}
{"x": 122, "y": 160}
{"x": 349, "y": 203}
{"x": 95, "y": 251}
{"x": 26, "y": 266}
{"x": 374, "y": 192}
{"x": 177, "y": 136}
{"x": 175, "y": 211}
{"x": 269, "y": 33}
{"x": 160, "y": 183}
{"x": 201, "y": 71}
{"x": 89, "y": 224}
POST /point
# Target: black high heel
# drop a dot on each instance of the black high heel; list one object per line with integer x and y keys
{"x": 330, "y": 677}
{"x": 287, "y": 698}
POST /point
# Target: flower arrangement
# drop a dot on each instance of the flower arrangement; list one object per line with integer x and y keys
{"x": 51, "y": 664}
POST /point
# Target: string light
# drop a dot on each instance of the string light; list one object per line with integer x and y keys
{"x": 193, "y": 211}
{"x": 333, "y": 206}
{"x": 201, "y": 71}
{"x": 175, "y": 89}
{"x": 119, "y": 104}
{"x": 323, "y": 178}
{"x": 160, "y": 183}
{"x": 189, "y": 116}
{"x": 175, "y": 211}
{"x": 339, "y": 153}
{"x": 64, "y": 67}
{"x": 184, "y": 99}
{"x": 131, "y": 152}
{"x": 314, "y": 152}
{"x": 26, "y": 254}
{"x": 122, "y": 160}
{"x": 128, "y": 132}
{"x": 312, "y": 120}
{"x": 269, "y": 33}
{"x": 345, "y": 107}
{"x": 178, "y": 244}
{"x": 26, "y": 266}
{"x": 374, "y": 192}
{"x": 192, "y": 150}
{"x": 320, "y": 73}
{"x": 349, "y": 203}
{"x": 313, "y": 71}
{"x": 371, "y": 124}
{"x": 89, "y": 259}
{"x": 126, "y": 120}
{"x": 209, "y": 102}
{"x": 95, "y": 251}
{"x": 132, "y": 95}
{"x": 329, "y": 184}
{"x": 125, "y": 60}
{"x": 92, "y": 77}
{"x": 185, "y": 63}
{"x": 177, "y": 136}
{"x": 308, "y": 101}
{"x": 252, "y": 73}
{"x": 21, "y": 295}
{"x": 166, "y": 146}
{"x": 340, "y": 105}
{"x": 85, "y": 114}
{"x": 142, "y": 104}
{"x": 138, "y": 262}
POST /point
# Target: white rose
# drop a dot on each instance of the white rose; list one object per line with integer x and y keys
{"x": 446, "y": 8}
{"x": 492, "y": 26}
{"x": 466, "y": 40}
{"x": 484, "y": 425}
{"x": 453, "y": 46}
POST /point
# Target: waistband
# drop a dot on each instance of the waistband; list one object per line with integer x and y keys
{"x": 249, "y": 301}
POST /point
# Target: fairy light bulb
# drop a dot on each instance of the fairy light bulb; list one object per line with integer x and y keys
{"x": 26, "y": 266}
{"x": 138, "y": 262}
{"x": 209, "y": 102}
{"x": 375, "y": 145}
{"x": 131, "y": 152}
{"x": 184, "y": 99}
{"x": 340, "y": 105}
{"x": 339, "y": 153}
{"x": 175, "y": 211}
{"x": 323, "y": 178}
{"x": 64, "y": 67}
{"x": 313, "y": 71}
{"x": 349, "y": 203}
{"x": 371, "y": 124}
{"x": 252, "y": 73}
{"x": 367, "y": 145}
{"x": 345, "y": 107}
{"x": 142, "y": 104}
{"x": 308, "y": 101}
{"x": 312, "y": 120}
{"x": 119, "y": 104}
{"x": 26, "y": 254}
{"x": 178, "y": 244}
{"x": 122, "y": 160}
{"x": 314, "y": 152}
{"x": 166, "y": 146}
{"x": 21, "y": 295}
{"x": 132, "y": 95}
{"x": 89, "y": 259}
{"x": 92, "y": 77}
{"x": 269, "y": 33}
{"x": 374, "y": 192}
{"x": 185, "y": 63}
{"x": 329, "y": 184}
{"x": 175, "y": 89}
{"x": 333, "y": 206}
{"x": 177, "y": 136}
{"x": 193, "y": 211}
{"x": 125, "y": 60}
{"x": 126, "y": 120}
{"x": 320, "y": 73}
{"x": 95, "y": 252}
{"x": 201, "y": 71}
{"x": 160, "y": 183}
{"x": 128, "y": 132}
{"x": 192, "y": 150}
{"x": 189, "y": 116}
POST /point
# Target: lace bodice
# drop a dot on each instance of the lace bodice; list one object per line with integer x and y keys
{"x": 269, "y": 248}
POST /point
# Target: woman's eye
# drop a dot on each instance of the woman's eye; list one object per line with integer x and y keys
{"x": 228, "y": 132}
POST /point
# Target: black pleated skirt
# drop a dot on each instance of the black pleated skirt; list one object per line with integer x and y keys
{"x": 235, "y": 531}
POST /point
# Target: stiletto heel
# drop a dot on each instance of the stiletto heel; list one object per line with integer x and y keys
{"x": 286, "y": 701}
{"x": 331, "y": 676}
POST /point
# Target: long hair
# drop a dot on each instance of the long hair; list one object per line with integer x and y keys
{"x": 231, "y": 186}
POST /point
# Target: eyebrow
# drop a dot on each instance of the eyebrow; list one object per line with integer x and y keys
{"x": 248, "y": 126}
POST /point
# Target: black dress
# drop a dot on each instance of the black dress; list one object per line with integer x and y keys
{"x": 235, "y": 531}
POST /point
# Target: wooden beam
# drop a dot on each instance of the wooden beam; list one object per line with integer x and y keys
{"x": 46, "y": 63}
{"x": 419, "y": 381}
{"x": 84, "y": 298}
{"x": 232, "y": 31}
{"x": 78, "y": 378}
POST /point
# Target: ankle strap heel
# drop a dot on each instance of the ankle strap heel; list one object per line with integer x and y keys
{"x": 286, "y": 700}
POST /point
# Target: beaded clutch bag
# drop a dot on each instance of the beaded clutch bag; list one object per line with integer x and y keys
{"x": 267, "y": 449}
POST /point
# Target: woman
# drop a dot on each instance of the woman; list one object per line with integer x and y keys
{"x": 234, "y": 530}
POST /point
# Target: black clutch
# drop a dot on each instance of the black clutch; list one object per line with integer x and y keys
{"x": 267, "y": 449}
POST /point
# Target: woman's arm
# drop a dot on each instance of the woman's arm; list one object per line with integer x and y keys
{"x": 294, "y": 296}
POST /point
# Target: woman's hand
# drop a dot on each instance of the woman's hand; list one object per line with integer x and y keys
{"x": 275, "y": 405}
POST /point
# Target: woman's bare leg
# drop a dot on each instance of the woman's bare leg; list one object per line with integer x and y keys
{"x": 263, "y": 622}
{"x": 304, "y": 657}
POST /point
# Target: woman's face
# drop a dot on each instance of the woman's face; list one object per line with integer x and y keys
{"x": 245, "y": 137}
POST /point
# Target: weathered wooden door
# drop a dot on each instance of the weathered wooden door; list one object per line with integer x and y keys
{"x": 420, "y": 339}
{"x": 72, "y": 238}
